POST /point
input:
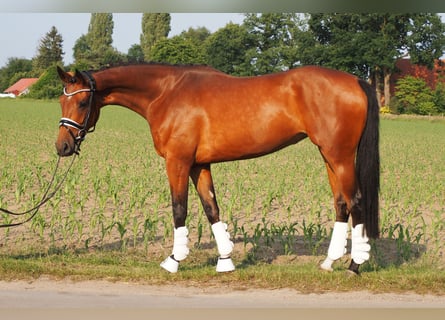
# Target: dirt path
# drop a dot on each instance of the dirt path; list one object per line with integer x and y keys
{"x": 45, "y": 293}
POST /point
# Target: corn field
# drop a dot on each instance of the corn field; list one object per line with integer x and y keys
{"x": 116, "y": 196}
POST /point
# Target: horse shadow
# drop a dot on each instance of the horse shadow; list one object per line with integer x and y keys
{"x": 385, "y": 252}
{"x": 251, "y": 251}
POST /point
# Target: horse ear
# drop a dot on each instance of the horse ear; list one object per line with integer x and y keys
{"x": 78, "y": 76}
{"x": 64, "y": 76}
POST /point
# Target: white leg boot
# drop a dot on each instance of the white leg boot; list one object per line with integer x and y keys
{"x": 180, "y": 250}
{"x": 360, "y": 247}
{"x": 337, "y": 246}
{"x": 225, "y": 247}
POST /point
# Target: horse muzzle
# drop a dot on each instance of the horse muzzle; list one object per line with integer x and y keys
{"x": 65, "y": 148}
{"x": 67, "y": 143}
{"x": 69, "y": 140}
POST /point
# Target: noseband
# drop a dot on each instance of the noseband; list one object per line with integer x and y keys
{"x": 68, "y": 123}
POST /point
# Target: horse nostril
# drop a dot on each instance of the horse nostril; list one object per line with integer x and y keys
{"x": 64, "y": 149}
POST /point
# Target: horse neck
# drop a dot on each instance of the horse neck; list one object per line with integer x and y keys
{"x": 134, "y": 87}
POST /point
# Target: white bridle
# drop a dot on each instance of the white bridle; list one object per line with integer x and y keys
{"x": 75, "y": 92}
{"x": 68, "y": 123}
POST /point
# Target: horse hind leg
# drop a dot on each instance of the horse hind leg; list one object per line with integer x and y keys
{"x": 337, "y": 245}
{"x": 347, "y": 203}
{"x": 360, "y": 247}
{"x": 202, "y": 179}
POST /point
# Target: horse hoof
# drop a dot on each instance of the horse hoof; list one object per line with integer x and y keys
{"x": 170, "y": 264}
{"x": 327, "y": 265}
{"x": 324, "y": 269}
{"x": 353, "y": 269}
{"x": 225, "y": 265}
{"x": 351, "y": 273}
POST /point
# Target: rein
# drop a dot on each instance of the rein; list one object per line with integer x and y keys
{"x": 45, "y": 198}
{"x": 81, "y": 133}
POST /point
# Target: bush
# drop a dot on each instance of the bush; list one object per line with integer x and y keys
{"x": 439, "y": 97}
{"x": 426, "y": 108}
{"x": 48, "y": 86}
{"x": 385, "y": 110}
{"x": 413, "y": 95}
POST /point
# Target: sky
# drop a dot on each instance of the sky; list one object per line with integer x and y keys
{"x": 23, "y": 31}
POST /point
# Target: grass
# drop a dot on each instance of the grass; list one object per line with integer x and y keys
{"x": 112, "y": 218}
{"x": 130, "y": 267}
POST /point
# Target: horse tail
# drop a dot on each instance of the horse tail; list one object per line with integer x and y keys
{"x": 368, "y": 164}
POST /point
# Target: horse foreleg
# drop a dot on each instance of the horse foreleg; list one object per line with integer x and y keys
{"x": 202, "y": 179}
{"x": 225, "y": 247}
{"x": 178, "y": 174}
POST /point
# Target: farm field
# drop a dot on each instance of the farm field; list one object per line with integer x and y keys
{"x": 114, "y": 207}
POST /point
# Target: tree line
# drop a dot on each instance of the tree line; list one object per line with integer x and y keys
{"x": 367, "y": 45}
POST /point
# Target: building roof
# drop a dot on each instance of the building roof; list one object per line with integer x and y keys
{"x": 21, "y": 85}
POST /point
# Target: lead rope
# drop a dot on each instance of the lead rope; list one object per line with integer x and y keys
{"x": 65, "y": 122}
{"x": 45, "y": 198}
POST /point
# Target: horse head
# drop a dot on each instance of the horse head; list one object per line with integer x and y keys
{"x": 79, "y": 111}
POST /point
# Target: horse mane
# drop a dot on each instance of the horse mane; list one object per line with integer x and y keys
{"x": 154, "y": 63}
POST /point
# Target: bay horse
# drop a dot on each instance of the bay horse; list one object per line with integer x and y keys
{"x": 198, "y": 116}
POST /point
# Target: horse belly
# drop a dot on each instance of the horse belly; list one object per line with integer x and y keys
{"x": 247, "y": 119}
{"x": 245, "y": 140}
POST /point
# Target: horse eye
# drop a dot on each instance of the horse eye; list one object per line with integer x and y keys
{"x": 83, "y": 103}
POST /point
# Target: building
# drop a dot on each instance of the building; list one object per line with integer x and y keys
{"x": 22, "y": 86}
{"x": 406, "y": 68}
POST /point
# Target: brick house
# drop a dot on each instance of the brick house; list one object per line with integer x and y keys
{"x": 431, "y": 77}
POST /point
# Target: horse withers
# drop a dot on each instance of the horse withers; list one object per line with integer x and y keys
{"x": 199, "y": 116}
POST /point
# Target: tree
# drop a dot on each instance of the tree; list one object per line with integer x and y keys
{"x": 155, "y": 27}
{"x": 50, "y": 51}
{"x": 227, "y": 49}
{"x": 197, "y": 35}
{"x": 426, "y": 41}
{"x": 196, "y": 39}
{"x": 81, "y": 49}
{"x": 135, "y": 54}
{"x": 439, "y": 97}
{"x": 370, "y": 44}
{"x": 273, "y": 47}
{"x": 14, "y": 70}
{"x": 100, "y": 31}
{"x": 324, "y": 42}
{"x": 94, "y": 50}
{"x": 177, "y": 50}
